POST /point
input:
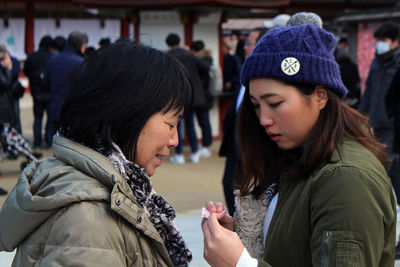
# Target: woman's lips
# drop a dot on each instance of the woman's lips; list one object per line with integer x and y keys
{"x": 275, "y": 137}
{"x": 159, "y": 161}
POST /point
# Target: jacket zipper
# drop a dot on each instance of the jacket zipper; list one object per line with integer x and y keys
{"x": 325, "y": 253}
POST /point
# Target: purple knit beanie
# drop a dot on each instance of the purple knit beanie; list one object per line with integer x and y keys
{"x": 299, "y": 54}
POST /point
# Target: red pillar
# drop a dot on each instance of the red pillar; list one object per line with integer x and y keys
{"x": 220, "y": 46}
{"x": 124, "y": 27}
{"x": 29, "y": 27}
{"x": 136, "y": 27}
{"x": 187, "y": 20}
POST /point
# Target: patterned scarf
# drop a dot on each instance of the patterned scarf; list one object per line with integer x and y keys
{"x": 270, "y": 193}
{"x": 160, "y": 213}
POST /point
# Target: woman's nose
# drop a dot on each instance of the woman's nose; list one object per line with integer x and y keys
{"x": 174, "y": 140}
{"x": 266, "y": 119}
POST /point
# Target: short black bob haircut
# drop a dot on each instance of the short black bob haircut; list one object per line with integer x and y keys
{"x": 115, "y": 92}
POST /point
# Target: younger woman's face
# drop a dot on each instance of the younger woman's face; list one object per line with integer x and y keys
{"x": 286, "y": 115}
{"x": 159, "y": 134}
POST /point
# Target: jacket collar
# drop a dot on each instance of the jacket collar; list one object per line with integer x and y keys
{"x": 92, "y": 163}
{"x": 389, "y": 58}
{"x": 122, "y": 200}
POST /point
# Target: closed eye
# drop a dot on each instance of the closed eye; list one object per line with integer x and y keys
{"x": 274, "y": 105}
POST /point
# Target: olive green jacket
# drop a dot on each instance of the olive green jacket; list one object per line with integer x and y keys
{"x": 75, "y": 209}
{"x": 343, "y": 215}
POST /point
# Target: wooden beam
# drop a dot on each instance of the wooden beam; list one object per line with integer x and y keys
{"x": 183, "y": 3}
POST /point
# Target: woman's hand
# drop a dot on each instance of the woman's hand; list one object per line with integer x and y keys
{"x": 222, "y": 247}
{"x": 6, "y": 61}
{"x": 225, "y": 221}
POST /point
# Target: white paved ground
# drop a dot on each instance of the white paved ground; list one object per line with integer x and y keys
{"x": 189, "y": 224}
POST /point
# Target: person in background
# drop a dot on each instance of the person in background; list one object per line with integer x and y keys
{"x": 92, "y": 203}
{"x": 17, "y": 90}
{"x": 6, "y": 106}
{"x": 392, "y": 102}
{"x": 381, "y": 74}
{"x": 301, "y": 18}
{"x": 229, "y": 146}
{"x": 196, "y": 67}
{"x": 232, "y": 67}
{"x": 239, "y": 50}
{"x": 309, "y": 161}
{"x": 252, "y": 39}
{"x": 7, "y": 112}
{"x": 348, "y": 72}
{"x": 58, "y": 74}
{"x": 203, "y": 112}
{"x": 58, "y": 44}
{"x": 277, "y": 21}
{"x": 123, "y": 39}
{"x": 104, "y": 42}
{"x": 34, "y": 69}
{"x": 88, "y": 51}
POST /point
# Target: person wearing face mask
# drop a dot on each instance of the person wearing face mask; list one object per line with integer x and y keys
{"x": 348, "y": 72}
{"x": 380, "y": 77}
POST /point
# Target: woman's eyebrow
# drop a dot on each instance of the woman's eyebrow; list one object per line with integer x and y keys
{"x": 264, "y": 95}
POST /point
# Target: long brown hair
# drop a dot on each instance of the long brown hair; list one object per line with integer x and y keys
{"x": 263, "y": 161}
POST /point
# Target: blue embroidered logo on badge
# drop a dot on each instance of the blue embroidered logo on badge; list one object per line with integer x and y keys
{"x": 290, "y": 66}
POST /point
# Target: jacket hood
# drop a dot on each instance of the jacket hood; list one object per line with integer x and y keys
{"x": 48, "y": 185}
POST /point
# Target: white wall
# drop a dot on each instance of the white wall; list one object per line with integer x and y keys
{"x": 13, "y": 37}
{"x": 155, "y": 27}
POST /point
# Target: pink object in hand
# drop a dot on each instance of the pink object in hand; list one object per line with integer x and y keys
{"x": 205, "y": 213}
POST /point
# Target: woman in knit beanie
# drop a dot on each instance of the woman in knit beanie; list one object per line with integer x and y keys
{"x": 310, "y": 158}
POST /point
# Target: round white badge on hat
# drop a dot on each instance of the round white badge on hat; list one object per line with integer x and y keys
{"x": 290, "y": 66}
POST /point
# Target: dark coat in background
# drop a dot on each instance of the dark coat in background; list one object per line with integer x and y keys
{"x": 393, "y": 109}
{"x": 380, "y": 77}
{"x": 58, "y": 75}
{"x": 7, "y": 114}
{"x": 351, "y": 79}
{"x": 195, "y": 67}
{"x": 34, "y": 68}
{"x": 205, "y": 80}
{"x": 232, "y": 67}
{"x": 230, "y": 149}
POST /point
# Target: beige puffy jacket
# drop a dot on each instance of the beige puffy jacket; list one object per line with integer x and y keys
{"x": 75, "y": 209}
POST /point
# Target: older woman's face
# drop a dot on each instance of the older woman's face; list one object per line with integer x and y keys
{"x": 284, "y": 112}
{"x": 159, "y": 134}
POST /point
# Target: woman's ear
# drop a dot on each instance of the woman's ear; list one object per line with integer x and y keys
{"x": 321, "y": 96}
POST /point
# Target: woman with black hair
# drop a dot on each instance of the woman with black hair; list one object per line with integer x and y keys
{"x": 92, "y": 203}
{"x": 314, "y": 190}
